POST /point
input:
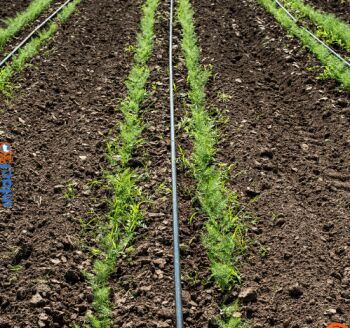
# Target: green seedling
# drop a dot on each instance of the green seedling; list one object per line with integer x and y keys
{"x": 192, "y": 217}
{"x": 263, "y": 251}
{"x": 224, "y": 97}
{"x": 193, "y": 278}
{"x": 185, "y": 162}
{"x": 69, "y": 193}
{"x": 164, "y": 189}
{"x": 15, "y": 268}
{"x": 231, "y": 317}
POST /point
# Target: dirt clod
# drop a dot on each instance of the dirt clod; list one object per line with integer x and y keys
{"x": 37, "y": 300}
{"x": 295, "y": 291}
{"x": 248, "y": 294}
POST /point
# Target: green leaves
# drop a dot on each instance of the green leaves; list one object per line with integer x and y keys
{"x": 334, "y": 29}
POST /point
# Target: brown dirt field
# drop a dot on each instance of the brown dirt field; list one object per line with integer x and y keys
{"x": 286, "y": 131}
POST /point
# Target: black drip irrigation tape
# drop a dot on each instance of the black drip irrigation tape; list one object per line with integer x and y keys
{"x": 31, "y": 34}
{"x": 313, "y": 35}
{"x": 176, "y": 238}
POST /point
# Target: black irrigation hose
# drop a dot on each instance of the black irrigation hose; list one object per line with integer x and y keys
{"x": 29, "y": 36}
{"x": 313, "y": 35}
{"x": 176, "y": 242}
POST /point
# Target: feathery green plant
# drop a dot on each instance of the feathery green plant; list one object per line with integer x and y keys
{"x": 224, "y": 235}
{"x": 16, "y": 24}
{"x": 232, "y": 316}
{"x": 124, "y": 214}
{"x": 31, "y": 49}
{"x": 336, "y": 69}
{"x": 329, "y": 26}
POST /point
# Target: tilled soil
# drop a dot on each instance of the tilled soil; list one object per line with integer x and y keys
{"x": 286, "y": 131}
{"x": 58, "y": 123}
{"x": 143, "y": 284}
{"x": 337, "y": 7}
{"x": 288, "y": 134}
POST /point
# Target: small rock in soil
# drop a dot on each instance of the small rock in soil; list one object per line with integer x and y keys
{"x": 280, "y": 222}
{"x": 37, "y": 300}
{"x": 248, "y": 295}
{"x": 250, "y": 192}
{"x": 21, "y": 294}
{"x": 266, "y": 153}
{"x": 330, "y": 312}
{"x": 166, "y": 313}
{"x": 304, "y": 147}
{"x": 58, "y": 188}
{"x": 186, "y": 296}
{"x": 328, "y": 226}
{"x": 43, "y": 317}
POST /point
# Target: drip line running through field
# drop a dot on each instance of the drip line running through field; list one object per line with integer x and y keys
{"x": 176, "y": 241}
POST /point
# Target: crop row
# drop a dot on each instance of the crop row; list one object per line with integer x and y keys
{"x": 224, "y": 233}
{"x": 116, "y": 231}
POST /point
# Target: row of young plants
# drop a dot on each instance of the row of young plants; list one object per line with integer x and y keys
{"x": 32, "y": 48}
{"x": 329, "y": 27}
{"x": 334, "y": 68}
{"x": 21, "y": 20}
{"x": 225, "y": 231}
{"x": 116, "y": 231}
